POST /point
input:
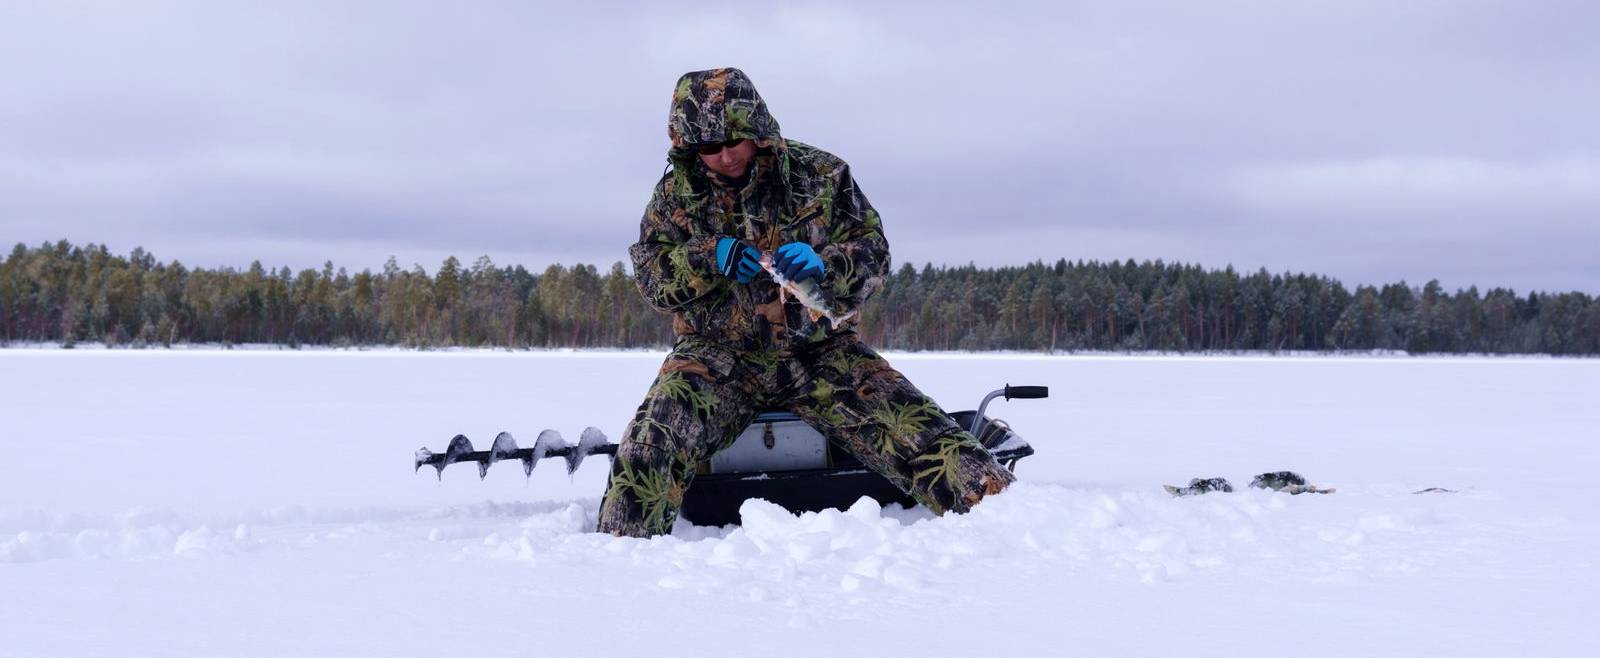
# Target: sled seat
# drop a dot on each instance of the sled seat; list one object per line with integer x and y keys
{"x": 781, "y": 459}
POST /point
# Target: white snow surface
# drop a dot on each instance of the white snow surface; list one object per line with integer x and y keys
{"x": 262, "y": 503}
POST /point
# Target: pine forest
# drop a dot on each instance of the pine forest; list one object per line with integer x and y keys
{"x": 60, "y": 292}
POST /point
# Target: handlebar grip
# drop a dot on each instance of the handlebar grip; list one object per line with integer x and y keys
{"x": 1026, "y": 392}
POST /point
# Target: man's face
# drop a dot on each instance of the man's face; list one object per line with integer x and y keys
{"x": 729, "y": 160}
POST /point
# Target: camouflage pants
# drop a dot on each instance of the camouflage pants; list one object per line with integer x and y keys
{"x": 706, "y": 394}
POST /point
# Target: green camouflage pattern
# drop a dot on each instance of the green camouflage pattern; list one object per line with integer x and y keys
{"x": 716, "y": 106}
{"x": 743, "y": 349}
{"x": 707, "y": 393}
{"x": 793, "y": 193}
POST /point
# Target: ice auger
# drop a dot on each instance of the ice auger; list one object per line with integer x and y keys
{"x": 549, "y": 444}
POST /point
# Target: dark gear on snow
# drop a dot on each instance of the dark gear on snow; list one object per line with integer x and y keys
{"x": 1286, "y": 481}
{"x": 1277, "y": 480}
{"x": 1199, "y": 486}
{"x": 742, "y": 349}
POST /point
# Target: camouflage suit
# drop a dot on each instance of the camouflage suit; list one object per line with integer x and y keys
{"x": 741, "y": 349}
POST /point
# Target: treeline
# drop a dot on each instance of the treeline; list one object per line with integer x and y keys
{"x": 66, "y": 293}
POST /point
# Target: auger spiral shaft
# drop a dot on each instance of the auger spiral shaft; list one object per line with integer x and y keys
{"x": 549, "y": 444}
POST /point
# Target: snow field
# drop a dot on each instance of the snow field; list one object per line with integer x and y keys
{"x": 262, "y": 504}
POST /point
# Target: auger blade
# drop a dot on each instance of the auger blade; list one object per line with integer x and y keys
{"x": 591, "y": 439}
{"x": 505, "y": 447}
{"x": 460, "y": 448}
{"x": 549, "y": 442}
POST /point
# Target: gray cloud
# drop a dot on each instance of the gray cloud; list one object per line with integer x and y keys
{"x": 1371, "y": 141}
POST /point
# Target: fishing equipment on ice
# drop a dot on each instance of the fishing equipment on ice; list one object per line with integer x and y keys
{"x": 549, "y": 444}
{"x": 1199, "y": 486}
{"x": 1287, "y": 482}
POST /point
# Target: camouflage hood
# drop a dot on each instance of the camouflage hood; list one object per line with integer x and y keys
{"x": 715, "y": 106}
{"x": 793, "y": 192}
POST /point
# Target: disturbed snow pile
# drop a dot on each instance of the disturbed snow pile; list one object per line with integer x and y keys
{"x": 1146, "y": 537}
{"x": 1127, "y": 535}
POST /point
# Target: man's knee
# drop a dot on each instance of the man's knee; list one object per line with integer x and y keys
{"x": 954, "y": 472}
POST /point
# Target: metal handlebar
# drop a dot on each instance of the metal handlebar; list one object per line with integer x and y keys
{"x": 1010, "y": 393}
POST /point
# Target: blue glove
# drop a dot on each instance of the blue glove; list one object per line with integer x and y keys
{"x": 737, "y": 260}
{"x": 798, "y": 262}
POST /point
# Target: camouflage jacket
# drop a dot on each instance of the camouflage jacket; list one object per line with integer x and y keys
{"x": 793, "y": 192}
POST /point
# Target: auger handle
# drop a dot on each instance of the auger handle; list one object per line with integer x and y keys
{"x": 1010, "y": 393}
{"x": 1026, "y": 392}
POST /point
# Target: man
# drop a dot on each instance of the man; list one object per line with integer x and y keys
{"x": 738, "y": 191}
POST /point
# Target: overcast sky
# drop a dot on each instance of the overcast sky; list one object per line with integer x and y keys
{"x": 1371, "y": 141}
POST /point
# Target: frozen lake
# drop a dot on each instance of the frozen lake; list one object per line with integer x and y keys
{"x": 262, "y": 503}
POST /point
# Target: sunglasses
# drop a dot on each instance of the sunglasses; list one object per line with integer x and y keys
{"x": 716, "y": 147}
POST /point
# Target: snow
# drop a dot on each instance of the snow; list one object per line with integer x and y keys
{"x": 262, "y": 503}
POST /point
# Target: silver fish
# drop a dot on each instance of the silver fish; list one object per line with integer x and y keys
{"x": 807, "y": 292}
